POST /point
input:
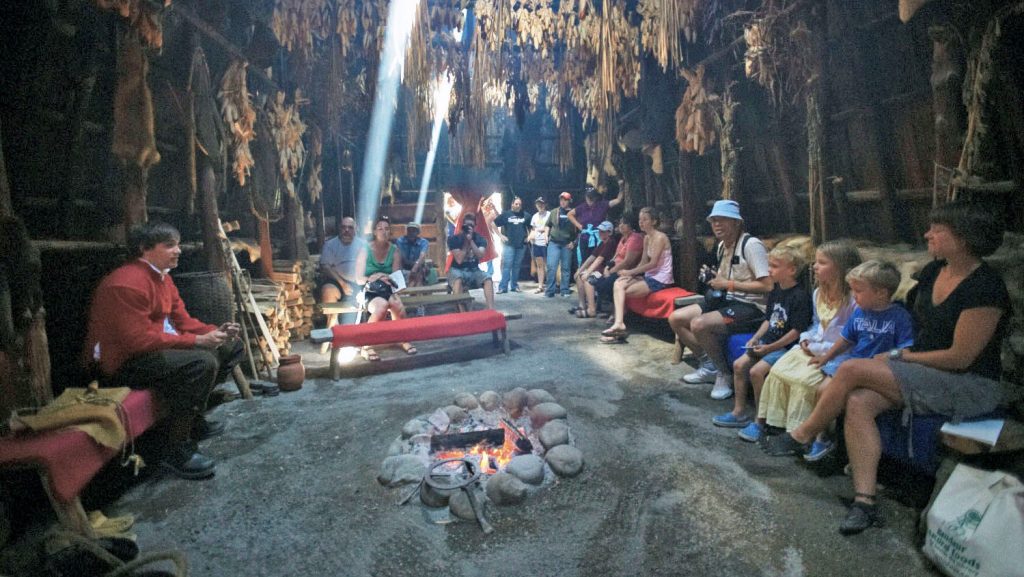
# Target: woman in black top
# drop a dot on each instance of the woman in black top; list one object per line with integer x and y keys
{"x": 961, "y": 309}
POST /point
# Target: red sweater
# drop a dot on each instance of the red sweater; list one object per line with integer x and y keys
{"x": 127, "y": 316}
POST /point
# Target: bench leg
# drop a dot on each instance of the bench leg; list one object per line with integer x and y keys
{"x": 335, "y": 370}
{"x": 70, "y": 515}
{"x": 504, "y": 340}
{"x": 242, "y": 383}
{"x": 677, "y": 352}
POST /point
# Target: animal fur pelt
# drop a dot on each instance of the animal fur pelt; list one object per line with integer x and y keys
{"x": 134, "y": 135}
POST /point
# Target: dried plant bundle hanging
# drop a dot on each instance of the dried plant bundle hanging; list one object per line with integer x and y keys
{"x": 697, "y": 118}
{"x": 296, "y": 22}
{"x": 287, "y": 129}
{"x": 240, "y": 117}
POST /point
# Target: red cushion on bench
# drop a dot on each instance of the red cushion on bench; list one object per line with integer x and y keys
{"x": 418, "y": 328}
{"x": 69, "y": 456}
{"x": 657, "y": 305}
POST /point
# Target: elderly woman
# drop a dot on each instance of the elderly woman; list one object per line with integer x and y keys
{"x": 382, "y": 259}
{"x": 653, "y": 274}
{"x": 742, "y": 277}
{"x": 627, "y": 254}
{"x": 961, "y": 308}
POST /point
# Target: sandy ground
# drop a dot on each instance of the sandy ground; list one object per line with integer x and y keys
{"x": 663, "y": 491}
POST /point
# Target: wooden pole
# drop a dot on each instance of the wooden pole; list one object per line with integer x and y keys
{"x": 6, "y": 207}
{"x": 210, "y": 217}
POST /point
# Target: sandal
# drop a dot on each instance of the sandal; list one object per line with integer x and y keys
{"x": 409, "y": 348}
{"x": 575, "y": 310}
{"x": 613, "y": 340}
{"x": 369, "y": 354}
{"x": 617, "y": 333}
{"x": 583, "y": 314}
{"x": 861, "y": 516}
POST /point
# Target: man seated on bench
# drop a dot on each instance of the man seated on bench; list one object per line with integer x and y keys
{"x": 342, "y": 263}
{"x": 467, "y": 247}
{"x": 414, "y": 254}
{"x": 140, "y": 336}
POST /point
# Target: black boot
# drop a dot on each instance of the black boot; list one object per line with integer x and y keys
{"x": 187, "y": 463}
{"x": 860, "y": 517}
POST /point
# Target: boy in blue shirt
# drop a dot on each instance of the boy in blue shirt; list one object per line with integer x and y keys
{"x": 877, "y": 326}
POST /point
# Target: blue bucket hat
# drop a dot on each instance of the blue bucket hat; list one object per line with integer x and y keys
{"x": 726, "y": 209}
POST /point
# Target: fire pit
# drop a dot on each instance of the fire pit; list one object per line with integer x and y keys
{"x": 509, "y": 445}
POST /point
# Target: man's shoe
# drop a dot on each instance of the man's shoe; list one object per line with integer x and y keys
{"x": 859, "y": 517}
{"x": 723, "y": 386}
{"x": 517, "y": 290}
{"x": 204, "y": 429}
{"x": 185, "y": 463}
{"x": 705, "y": 373}
{"x": 502, "y": 291}
{"x": 550, "y": 295}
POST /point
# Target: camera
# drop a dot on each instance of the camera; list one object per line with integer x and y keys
{"x": 706, "y": 274}
{"x": 468, "y": 227}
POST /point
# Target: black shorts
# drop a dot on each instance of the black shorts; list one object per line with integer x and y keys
{"x": 739, "y": 316}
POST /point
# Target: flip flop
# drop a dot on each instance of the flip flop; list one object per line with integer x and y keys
{"x": 583, "y": 314}
{"x": 613, "y": 340}
{"x": 409, "y": 348}
{"x": 617, "y": 333}
{"x": 369, "y": 354}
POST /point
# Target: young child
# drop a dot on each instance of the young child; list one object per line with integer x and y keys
{"x": 789, "y": 313}
{"x": 877, "y": 326}
{"x": 790, "y": 391}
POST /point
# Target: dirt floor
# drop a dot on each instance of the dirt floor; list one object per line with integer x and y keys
{"x": 663, "y": 492}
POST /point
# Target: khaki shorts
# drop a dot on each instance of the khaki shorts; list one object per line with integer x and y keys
{"x": 927, "y": 390}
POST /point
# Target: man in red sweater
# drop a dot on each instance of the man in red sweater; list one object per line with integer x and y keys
{"x": 141, "y": 336}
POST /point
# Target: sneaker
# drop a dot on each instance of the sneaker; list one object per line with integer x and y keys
{"x": 705, "y": 373}
{"x": 752, "y": 433}
{"x": 723, "y": 387}
{"x": 859, "y": 517}
{"x": 516, "y": 290}
{"x": 819, "y": 450}
{"x": 502, "y": 291}
{"x": 568, "y": 294}
{"x": 730, "y": 421}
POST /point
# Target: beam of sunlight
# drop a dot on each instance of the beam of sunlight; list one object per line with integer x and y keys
{"x": 396, "y": 36}
{"x": 442, "y": 97}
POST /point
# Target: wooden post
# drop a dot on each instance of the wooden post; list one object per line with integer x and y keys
{"x": 947, "y": 103}
{"x": 817, "y": 209}
{"x": 6, "y": 208}
{"x": 266, "y": 250}
{"x": 135, "y": 179}
{"x": 210, "y": 217}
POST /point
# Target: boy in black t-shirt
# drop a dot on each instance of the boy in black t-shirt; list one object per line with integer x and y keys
{"x": 789, "y": 314}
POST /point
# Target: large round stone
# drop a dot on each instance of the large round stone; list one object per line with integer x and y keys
{"x": 399, "y": 447}
{"x": 554, "y": 433}
{"x": 544, "y": 412}
{"x": 565, "y": 461}
{"x": 415, "y": 427}
{"x": 458, "y": 505}
{"x": 505, "y": 489}
{"x": 527, "y": 468}
{"x": 535, "y": 397}
{"x": 514, "y": 401}
{"x": 401, "y": 469}
{"x": 466, "y": 401}
{"x": 456, "y": 414}
{"x": 489, "y": 400}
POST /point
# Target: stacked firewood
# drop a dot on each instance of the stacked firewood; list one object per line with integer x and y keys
{"x": 286, "y": 302}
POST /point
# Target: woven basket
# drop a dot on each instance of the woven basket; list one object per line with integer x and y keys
{"x": 207, "y": 296}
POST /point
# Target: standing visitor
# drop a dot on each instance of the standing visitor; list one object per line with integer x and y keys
{"x": 513, "y": 223}
{"x": 539, "y": 240}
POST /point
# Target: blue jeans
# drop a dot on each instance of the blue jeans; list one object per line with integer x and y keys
{"x": 511, "y": 264}
{"x": 558, "y": 254}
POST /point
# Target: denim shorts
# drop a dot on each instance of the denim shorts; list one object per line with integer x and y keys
{"x": 774, "y": 356}
{"x": 540, "y": 251}
{"x": 472, "y": 278}
{"x": 655, "y": 285}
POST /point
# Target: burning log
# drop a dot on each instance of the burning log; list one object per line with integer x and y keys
{"x": 492, "y": 437}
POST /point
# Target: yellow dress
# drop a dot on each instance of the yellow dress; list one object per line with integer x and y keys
{"x": 791, "y": 389}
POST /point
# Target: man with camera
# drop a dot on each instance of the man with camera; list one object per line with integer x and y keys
{"x": 467, "y": 248}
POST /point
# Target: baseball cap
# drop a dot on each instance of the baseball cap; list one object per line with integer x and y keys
{"x": 540, "y": 200}
{"x": 606, "y": 226}
{"x": 565, "y": 195}
{"x": 415, "y": 225}
{"x": 726, "y": 209}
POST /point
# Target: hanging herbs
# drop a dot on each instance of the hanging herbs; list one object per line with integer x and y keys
{"x": 662, "y": 22}
{"x": 287, "y": 129}
{"x": 296, "y": 22}
{"x": 316, "y": 152}
{"x": 697, "y": 116}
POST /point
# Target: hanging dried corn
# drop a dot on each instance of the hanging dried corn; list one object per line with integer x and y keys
{"x": 296, "y": 22}
{"x": 316, "y": 152}
{"x": 287, "y": 129}
{"x": 696, "y": 117}
{"x": 240, "y": 117}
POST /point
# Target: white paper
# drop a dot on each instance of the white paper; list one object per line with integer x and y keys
{"x": 398, "y": 280}
{"x": 984, "y": 431}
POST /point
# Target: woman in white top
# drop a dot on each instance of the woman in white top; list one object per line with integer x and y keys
{"x": 743, "y": 276}
{"x": 538, "y": 238}
{"x": 652, "y": 274}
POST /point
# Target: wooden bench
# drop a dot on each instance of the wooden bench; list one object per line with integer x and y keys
{"x": 659, "y": 305}
{"x": 67, "y": 459}
{"x": 409, "y": 302}
{"x": 412, "y": 329}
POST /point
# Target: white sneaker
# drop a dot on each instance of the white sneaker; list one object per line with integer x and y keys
{"x": 705, "y": 374}
{"x": 723, "y": 387}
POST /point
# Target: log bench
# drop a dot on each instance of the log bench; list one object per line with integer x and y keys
{"x": 412, "y": 329}
{"x": 67, "y": 459}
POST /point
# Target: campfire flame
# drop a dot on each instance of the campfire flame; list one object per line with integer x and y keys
{"x": 489, "y": 459}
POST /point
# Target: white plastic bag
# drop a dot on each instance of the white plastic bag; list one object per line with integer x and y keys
{"x": 976, "y": 525}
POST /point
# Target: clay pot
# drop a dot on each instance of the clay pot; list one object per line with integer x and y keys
{"x": 291, "y": 373}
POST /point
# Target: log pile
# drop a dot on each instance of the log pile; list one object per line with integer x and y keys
{"x": 286, "y": 302}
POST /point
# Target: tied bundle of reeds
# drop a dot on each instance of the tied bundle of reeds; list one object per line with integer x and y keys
{"x": 240, "y": 117}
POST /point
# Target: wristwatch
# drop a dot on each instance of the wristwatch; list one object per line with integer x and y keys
{"x": 896, "y": 354}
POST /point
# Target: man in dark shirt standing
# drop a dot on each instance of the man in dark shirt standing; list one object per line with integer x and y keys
{"x": 467, "y": 247}
{"x": 513, "y": 225}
